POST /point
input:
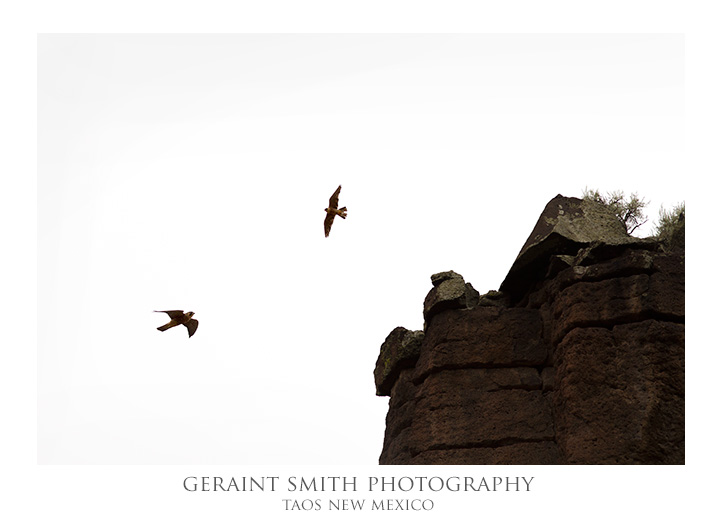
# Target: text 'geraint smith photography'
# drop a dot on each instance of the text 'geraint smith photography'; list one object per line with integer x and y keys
{"x": 303, "y": 491}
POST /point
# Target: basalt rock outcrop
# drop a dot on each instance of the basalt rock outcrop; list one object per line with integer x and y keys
{"x": 577, "y": 359}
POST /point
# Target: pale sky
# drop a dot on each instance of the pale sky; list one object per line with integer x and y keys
{"x": 192, "y": 172}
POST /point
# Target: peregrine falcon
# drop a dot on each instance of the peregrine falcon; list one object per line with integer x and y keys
{"x": 178, "y": 317}
{"x": 332, "y": 211}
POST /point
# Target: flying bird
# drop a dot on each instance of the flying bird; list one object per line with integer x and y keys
{"x": 178, "y": 317}
{"x": 332, "y": 211}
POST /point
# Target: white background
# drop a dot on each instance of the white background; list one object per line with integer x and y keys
{"x": 149, "y": 494}
{"x": 192, "y": 172}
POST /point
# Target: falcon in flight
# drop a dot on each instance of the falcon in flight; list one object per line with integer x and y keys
{"x": 178, "y": 317}
{"x": 332, "y": 211}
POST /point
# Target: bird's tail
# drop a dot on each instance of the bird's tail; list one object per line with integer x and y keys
{"x": 164, "y": 327}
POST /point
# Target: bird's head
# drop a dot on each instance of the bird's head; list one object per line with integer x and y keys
{"x": 326, "y": 210}
{"x": 190, "y": 314}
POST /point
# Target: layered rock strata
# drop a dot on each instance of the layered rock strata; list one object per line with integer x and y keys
{"x": 578, "y": 358}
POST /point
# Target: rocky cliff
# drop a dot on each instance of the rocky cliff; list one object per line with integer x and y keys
{"x": 577, "y": 359}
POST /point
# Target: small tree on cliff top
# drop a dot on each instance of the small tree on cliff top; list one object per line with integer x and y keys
{"x": 669, "y": 220}
{"x": 629, "y": 211}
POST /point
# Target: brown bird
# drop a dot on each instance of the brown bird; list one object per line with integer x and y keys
{"x": 332, "y": 211}
{"x": 178, "y": 317}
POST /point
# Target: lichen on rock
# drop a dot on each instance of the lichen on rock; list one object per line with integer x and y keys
{"x": 400, "y": 350}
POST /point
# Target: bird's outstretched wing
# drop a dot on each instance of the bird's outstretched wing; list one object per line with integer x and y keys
{"x": 171, "y": 313}
{"x": 192, "y": 326}
{"x": 166, "y": 326}
{"x": 334, "y": 199}
{"x": 328, "y": 222}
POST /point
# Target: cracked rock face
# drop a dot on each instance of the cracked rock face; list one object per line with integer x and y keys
{"x": 578, "y": 359}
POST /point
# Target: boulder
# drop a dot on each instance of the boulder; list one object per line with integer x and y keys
{"x": 449, "y": 292}
{"x": 566, "y": 225}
